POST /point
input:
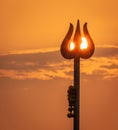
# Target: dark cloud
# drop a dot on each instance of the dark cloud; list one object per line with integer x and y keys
{"x": 34, "y": 61}
{"x": 112, "y": 66}
{"x": 29, "y": 61}
{"x": 106, "y": 51}
{"x": 48, "y": 65}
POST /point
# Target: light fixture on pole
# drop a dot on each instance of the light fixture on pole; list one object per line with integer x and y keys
{"x": 79, "y": 47}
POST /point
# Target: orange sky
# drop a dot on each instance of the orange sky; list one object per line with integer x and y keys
{"x": 35, "y": 24}
{"x": 34, "y": 77}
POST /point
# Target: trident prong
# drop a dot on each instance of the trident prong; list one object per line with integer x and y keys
{"x": 65, "y": 44}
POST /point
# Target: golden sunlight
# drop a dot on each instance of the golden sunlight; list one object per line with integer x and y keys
{"x": 84, "y": 44}
{"x": 72, "y": 46}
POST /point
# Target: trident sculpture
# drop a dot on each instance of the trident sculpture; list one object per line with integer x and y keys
{"x": 75, "y": 49}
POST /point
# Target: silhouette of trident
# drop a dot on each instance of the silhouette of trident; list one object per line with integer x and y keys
{"x": 76, "y": 49}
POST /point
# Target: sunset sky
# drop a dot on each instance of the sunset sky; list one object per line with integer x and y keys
{"x": 34, "y": 77}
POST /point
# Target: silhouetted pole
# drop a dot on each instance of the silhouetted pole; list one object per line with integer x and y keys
{"x": 77, "y": 101}
{"x": 76, "y": 51}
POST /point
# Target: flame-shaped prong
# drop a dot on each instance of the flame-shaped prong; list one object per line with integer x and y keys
{"x": 90, "y": 49}
{"x": 66, "y": 53}
{"x": 77, "y": 36}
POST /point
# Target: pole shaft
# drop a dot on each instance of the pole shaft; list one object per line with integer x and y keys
{"x": 77, "y": 85}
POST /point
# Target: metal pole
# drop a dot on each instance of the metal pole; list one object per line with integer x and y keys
{"x": 77, "y": 85}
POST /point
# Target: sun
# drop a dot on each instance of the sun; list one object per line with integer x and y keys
{"x": 72, "y": 46}
{"x": 84, "y": 44}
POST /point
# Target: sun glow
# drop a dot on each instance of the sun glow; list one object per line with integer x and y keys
{"x": 72, "y": 46}
{"x": 84, "y": 44}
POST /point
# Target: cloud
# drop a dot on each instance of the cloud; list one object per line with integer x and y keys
{"x": 31, "y": 51}
{"x": 50, "y": 64}
{"x": 108, "y": 66}
{"x": 43, "y": 66}
{"x": 106, "y": 51}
